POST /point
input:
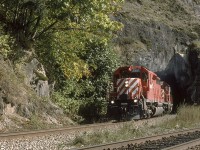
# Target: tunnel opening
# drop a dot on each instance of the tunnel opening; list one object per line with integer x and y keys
{"x": 178, "y": 93}
{"x": 183, "y": 76}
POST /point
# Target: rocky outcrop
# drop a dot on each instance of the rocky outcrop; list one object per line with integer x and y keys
{"x": 152, "y": 44}
{"x": 24, "y": 90}
{"x": 155, "y": 35}
{"x": 36, "y": 77}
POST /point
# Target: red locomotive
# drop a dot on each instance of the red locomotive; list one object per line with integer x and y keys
{"x": 138, "y": 93}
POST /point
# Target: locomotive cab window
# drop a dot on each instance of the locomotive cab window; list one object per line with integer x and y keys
{"x": 144, "y": 76}
{"x": 116, "y": 77}
{"x": 135, "y": 73}
{"x": 125, "y": 74}
{"x": 158, "y": 81}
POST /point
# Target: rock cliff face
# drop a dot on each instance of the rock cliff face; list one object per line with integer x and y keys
{"x": 156, "y": 33}
{"x": 24, "y": 94}
{"x": 22, "y": 88}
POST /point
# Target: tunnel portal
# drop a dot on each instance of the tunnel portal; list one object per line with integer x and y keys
{"x": 183, "y": 75}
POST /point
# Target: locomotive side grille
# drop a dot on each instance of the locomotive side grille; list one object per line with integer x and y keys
{"x": 132, "y": 88}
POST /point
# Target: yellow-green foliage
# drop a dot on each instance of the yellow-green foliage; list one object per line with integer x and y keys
{"x": 5, "y": 48}
{"x": 40, "y": 75}
{"x": 59, "y": 29}
{"x": 70, "y": 106}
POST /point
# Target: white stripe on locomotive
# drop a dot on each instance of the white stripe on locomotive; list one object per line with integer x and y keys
{"x": 122, "y": 83}
{"x": 123, "y": 89}
{"x": 132, "y": 86}
{"x": 134, "y": 92}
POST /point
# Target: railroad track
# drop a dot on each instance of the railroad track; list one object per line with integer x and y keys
{"x": 73, "y": 129}
{"x": 172, "y": 141}
{"x": 61, "y": 137}
{"x": 76, "y": 129}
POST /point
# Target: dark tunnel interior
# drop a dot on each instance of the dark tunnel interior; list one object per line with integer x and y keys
{"x": 182, "y": 76}
{"x": 178, "y": 93}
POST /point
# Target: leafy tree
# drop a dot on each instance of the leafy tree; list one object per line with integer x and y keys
{"x": 90, "y": 93}
{"x": 66, "y": 24}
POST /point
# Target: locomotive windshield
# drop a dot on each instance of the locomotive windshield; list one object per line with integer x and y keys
{"x": 125, "y": 74}
{"x": 135, "y": 73}
{"x": 130, "y": 74}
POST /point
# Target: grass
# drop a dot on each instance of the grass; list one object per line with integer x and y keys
{"x": 35, "y": 123}
{"x": 187, "y": 117}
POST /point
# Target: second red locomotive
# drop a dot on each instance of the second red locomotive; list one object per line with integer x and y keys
{"x": 138, "y": 93}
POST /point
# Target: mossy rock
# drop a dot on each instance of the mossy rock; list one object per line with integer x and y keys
{"x": 195, "y": 46}
{"x": 40, "y": 75}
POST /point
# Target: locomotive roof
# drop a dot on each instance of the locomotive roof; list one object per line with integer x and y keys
{"x": 130, "y": 68}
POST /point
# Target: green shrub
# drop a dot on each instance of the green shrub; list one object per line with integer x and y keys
{"x": 92, "y": 110}
{"x": 35, "y": 123}
{"x": 78, "y": 140}
{"x": 69, "y": 105}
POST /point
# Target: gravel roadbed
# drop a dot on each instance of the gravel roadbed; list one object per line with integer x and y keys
{"x": 55, "y": 141}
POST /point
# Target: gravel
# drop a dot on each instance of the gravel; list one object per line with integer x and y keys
{"x": 59, "y": 141}
{"x": 48, "y": 142}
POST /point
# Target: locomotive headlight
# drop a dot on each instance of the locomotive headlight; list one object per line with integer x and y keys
{"x": 135, "y": 100}
{"x": 126, "y": 83}
{"x": 112, "y": 102}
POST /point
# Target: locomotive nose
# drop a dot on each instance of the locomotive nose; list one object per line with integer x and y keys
{"x": 127, "y": 88}
{"x": 126, "y": 84}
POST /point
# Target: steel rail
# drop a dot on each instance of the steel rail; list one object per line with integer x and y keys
{"x": 32, "y": 133}
{"x": 184, "y": 146}
{"x": 134, "y": 141}
{"x": 26, "y": 134}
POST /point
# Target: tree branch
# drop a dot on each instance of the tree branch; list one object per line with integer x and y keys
{"x": 46, "y": 29}
{"x": 64, "y": 29}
